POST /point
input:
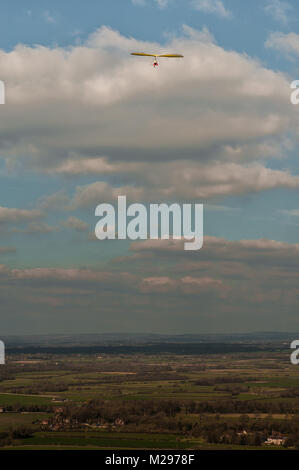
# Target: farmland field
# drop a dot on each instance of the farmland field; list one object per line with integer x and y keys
{"x": 136, "y": 400}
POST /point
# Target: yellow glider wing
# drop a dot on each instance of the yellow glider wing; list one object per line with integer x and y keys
{"x": 170, "y": 55}
{"x": 143, "y": 54}
{"x": 156, "y": 55}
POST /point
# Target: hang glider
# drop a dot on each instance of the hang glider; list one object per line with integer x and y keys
{"x": 156, "y": 56}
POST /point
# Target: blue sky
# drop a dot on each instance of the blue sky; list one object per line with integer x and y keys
{"x": 62, "y": 23}
{"x": 83, "y": 120}
{"x": 55, "y": 23}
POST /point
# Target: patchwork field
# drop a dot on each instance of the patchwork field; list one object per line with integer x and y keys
{"x": 239, "y": 400}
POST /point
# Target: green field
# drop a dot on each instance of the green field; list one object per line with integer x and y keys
{"x": 164, "y": 401}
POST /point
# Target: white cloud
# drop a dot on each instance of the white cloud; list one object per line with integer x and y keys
{"x": 35, "y": 228}
{"x": 185, "y": 285}
{"x": 76, "y": 224}
{"x": 279, "y": 10}
{"x": 291, "y": 212}
{"x": 229, "y": 282}
{"x": 212, "y": 6}
{"x": 18, "y": 215}
{"x": 203, "y": 126}
{"x": 49, "y": 18}
{"x": 139, "y": 2}
{"x": 160, "y": 3}
{"x": 217, "y": 248}
{"x": 187, "y": 180}
{"x": 7, "y": 250}
{"x": 286, "y": 43}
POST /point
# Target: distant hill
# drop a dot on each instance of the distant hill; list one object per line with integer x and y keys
{"x": 139, "y": 339}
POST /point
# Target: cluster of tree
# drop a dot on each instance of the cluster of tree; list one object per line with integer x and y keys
{"x": 40, "y": 386}
{"x": 135, "y": 411}
{"x": 110, "y": 410}
{"x": 6, "y": 373}
{"x": 248, "y": 406}
{"x": 291, "y": 393}
{"x": 144, "y": 376}
{"x": 172, "y": 416}
{"x": 113, "y": 409}
{"x": 129, "y": 412}
{"x": 32, "y": 408}
{"x": 246, "y": 431}
{"x": 233, "y": 389}
{"x": 209, "y": 381}
{"x": 15, "y": 433}
{"x": 193, "y": 367}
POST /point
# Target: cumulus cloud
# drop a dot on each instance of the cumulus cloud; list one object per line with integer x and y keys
{"x": 247, "y": 282}
{"x": 291, "y": 212}
{"x": 35, "y": 228}
{"x": 139, "y": 2}
{"x": 49, "y": 18}
{"x": 286, "y": 43}
{"x": 43, "y": 277}
{"x": 53, "y": 201}
{"x": 71, "y": 275}
{"x": 212, "y": 6}
{"x": 160, "y": 3}
{"x": 244, "y": 268}
{"x": 93, "y": 110}
{"x": 185, "y": 285}
{"x": 8, "y": 214}
{"x": 279, "y": 10}
{"x": 163, "y": 3}
{"x": 109, "y": 124}
{"x": 187, "y": 181}
{"x": 92, "y": 166}
{"x": 76, "y": 224}
{"x": 217, "y": 248}
{"x": 261, "y": 262}
{"x": 4, "y": 250}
